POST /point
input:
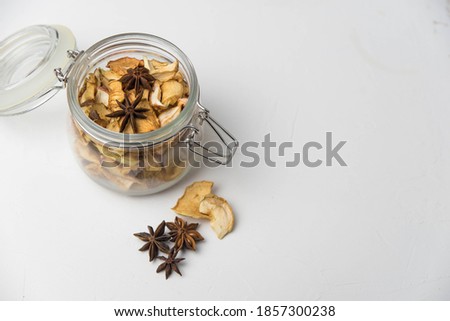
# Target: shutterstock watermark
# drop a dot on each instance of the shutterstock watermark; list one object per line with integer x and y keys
{"x": 248, "y": 154}
{"x": 330, "y": 152}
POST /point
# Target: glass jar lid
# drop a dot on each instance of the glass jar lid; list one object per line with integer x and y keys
{"x": 27, "y": 62}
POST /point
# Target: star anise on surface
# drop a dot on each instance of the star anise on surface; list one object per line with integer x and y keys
{"x": 129, "y": 112}
{"x": 138, "y": 78}
{"x": 183, "y": 234}
{"x": 170, "y": 263}
{"x": 154, "y": 240}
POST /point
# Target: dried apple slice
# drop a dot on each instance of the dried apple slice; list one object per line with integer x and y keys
{"x": 120, "y": 66}
{"x": 115, "y": 94}
{"x": 108, "y": 75}
{"x": 88, "y": 96}
{"x": 101, "y": 110}
{"x": 178, "y": 77}
{"x": 220, "y": 214}
{"x": 169, "y": 115}
{"x": 163, "y": 71}
{"x": 102, "y": 96}
{"x": 94, "y": 169}
{"x": 172, "y": 90}
{"x": 147, "y": 63}
{"x": 87, "y": 153}
{"x": 114, "y": 125}
{"x": 117, "y": 177}
{"x": 188, "y": 204}
{"x": 182, "y": 102}
{"x": 155, "y": 95}
{"x": 172, "y": 171}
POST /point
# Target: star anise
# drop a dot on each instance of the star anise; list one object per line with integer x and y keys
{"x": 170, "y": 263}
{"x": 154, "y": 240}
{"x": 183, "y": 234}
{"x": 137, "y": 78}
{"x": 129, "y": 113}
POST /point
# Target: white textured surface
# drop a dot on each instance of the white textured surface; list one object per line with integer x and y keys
{"x": 375, "y": 73}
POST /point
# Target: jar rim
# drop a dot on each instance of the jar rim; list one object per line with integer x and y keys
{"x": 28, "y": 59}
{"x": 86, "y": 60}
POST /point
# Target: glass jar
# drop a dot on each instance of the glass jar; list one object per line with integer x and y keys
{"x": 133, "y": 164}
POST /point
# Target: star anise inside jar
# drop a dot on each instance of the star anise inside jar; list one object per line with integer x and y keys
{"x": 138, "y": 79}
{"x": 129, "y": 113}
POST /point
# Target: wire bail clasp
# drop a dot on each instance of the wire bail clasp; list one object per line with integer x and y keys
{"x": 230, "y": 142}
{"x": 61, "y": 75}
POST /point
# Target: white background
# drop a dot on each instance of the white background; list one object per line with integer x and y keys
{"x": 375, "y": 73}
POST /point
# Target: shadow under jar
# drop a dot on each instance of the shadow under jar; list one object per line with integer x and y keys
{"x": 132, "y": 164}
